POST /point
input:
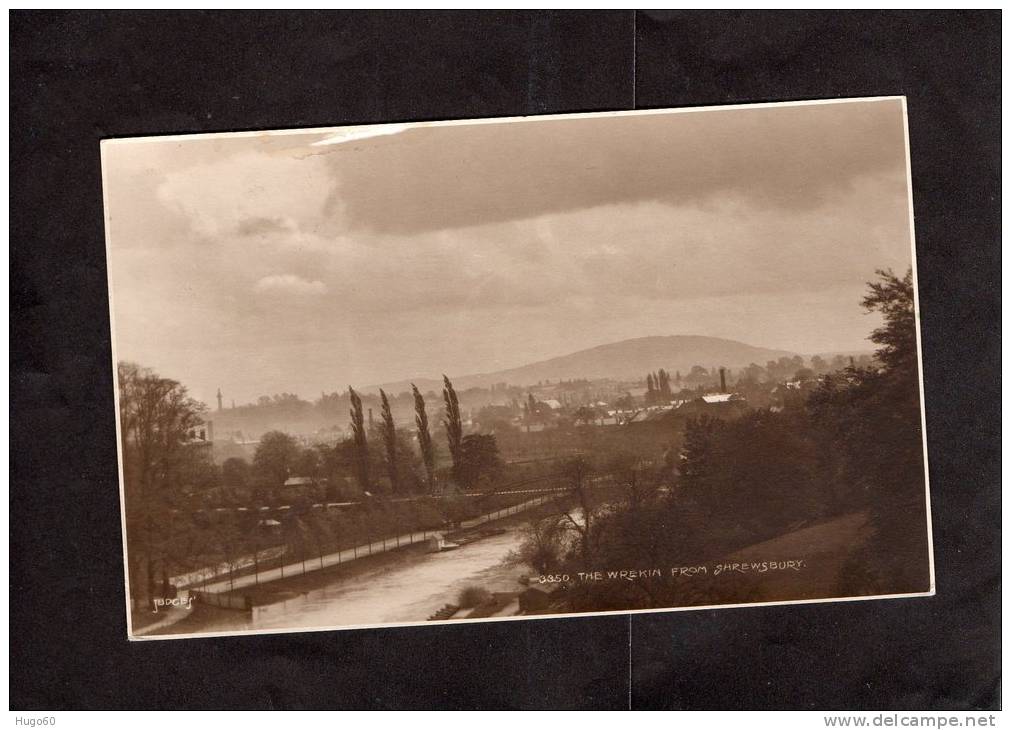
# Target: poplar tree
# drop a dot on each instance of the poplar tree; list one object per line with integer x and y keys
{"x": 454, "y": 426}
{"x": 664, "y": 384}
{"x": 360, "y": 440}
{"x": 389, "y": 432}
{"x": 424, "y": 436}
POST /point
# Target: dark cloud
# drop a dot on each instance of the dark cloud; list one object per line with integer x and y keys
{"x": 267, "y": 263}
{"x": 787, "y": 157}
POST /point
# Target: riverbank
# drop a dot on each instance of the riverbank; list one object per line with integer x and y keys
{"x": 407, "y": 584}
{"x": 205, "y": 618}
{"x": 301, "y": 583}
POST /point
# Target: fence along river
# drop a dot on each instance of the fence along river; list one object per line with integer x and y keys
{"x": 216, "y": 592}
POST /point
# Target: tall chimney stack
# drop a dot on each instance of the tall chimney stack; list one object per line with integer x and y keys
{"x": 723, "y": 380}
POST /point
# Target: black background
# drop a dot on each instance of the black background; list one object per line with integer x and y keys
{"x": 79, "y": 77}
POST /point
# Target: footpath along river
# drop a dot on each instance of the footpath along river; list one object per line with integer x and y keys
{"x": 411, "y": 589}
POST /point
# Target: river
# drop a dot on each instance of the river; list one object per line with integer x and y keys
{"x": 412, "y": 589}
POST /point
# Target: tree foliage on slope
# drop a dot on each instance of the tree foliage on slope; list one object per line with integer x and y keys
{"x": 854, "y": 448}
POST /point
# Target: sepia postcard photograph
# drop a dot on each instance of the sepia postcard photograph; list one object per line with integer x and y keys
{"x": 505, "y": 369}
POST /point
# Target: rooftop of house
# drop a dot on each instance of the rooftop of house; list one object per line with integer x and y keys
{"x": 719, "y": 397}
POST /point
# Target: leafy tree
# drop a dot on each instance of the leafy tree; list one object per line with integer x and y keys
{"x": 235, "y": 472}
{"x": 754, "y": 374}
{"x": 276, "y": 457}
{"x": 585, "y": 414}
{"x": 583, "y": 519}
{"x": 868, "y": 422}
{"x": 542, "y": 545}
{"x": 873, "y": 414}
{"x": 309, "y": 464}
{"x": 361, "y": 441}
{"x": 532, "y": 408}
{"x": 804, "y": 374}
{"x": 625, "y": 402}
{"x": 624, "y": 468}
{"x": 156, "y": 416}
{"x": 340, "y": 464}
{"x": 893, "y": 298}
{"x": 424, "y": 437}
{"x": 698, "y": 375}
{"x": 700, "y": 459}
{"x": 408, "y": 465}
{"x": 479, "y": 459}
{"x": 453, "y": 425}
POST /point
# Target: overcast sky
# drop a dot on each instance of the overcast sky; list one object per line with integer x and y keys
{"x": 306, "y": 262}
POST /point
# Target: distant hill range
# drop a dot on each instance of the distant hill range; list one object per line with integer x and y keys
{"x": 625, "y": 360}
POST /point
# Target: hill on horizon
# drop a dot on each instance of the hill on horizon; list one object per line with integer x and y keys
{"x": 624, "y": 360}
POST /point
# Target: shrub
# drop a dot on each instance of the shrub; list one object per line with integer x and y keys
{"x": 472, "y": 596}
